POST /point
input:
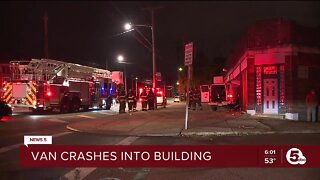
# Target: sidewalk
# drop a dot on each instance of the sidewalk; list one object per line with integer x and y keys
{"x": 170, "y": 121}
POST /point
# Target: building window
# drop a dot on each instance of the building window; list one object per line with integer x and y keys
{"x": 303, "y": 72}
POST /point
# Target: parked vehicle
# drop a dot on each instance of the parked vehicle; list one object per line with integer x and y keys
{"x": 176, "y": 99}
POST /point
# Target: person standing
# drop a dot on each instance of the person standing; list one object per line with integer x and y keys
{"x": 151, "y": 100}
{"x": 197, "y": 99}
{"x": 312, "y": 103}
{"x": 122, "y": 101}
{"x": 144, "y": 99}
{"x": 131, "y": 98}
{"x": 135, "y": 101}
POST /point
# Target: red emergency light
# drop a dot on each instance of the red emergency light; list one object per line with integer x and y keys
{"x": 230, "y": 96}
{"x": 140, "y": 90}
{"x": 49, "y": 94}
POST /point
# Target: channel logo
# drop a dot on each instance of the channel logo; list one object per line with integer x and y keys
{"x": 295, "y": 156}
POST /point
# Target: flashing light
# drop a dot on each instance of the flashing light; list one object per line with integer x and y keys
{"x": 230, "y": 96}
{"x": 140, "y": 99}
{"x": 49, "y": 94}
{"x": 140, "y": 90}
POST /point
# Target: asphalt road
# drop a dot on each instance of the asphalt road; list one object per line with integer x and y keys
{"x": 13, "y": 130}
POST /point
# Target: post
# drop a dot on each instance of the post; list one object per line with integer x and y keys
{"x": 153, "y": 57}
{"x": 188, "y": 98}
{"x": 136, "y": 87}
{"x": 125, "y": 78}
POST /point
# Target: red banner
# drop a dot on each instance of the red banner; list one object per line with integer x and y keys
{"x": 169, "y": 156}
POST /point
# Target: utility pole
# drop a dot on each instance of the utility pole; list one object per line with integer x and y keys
{"x": 151, "y": 9}
{"x": 46, "y": 52}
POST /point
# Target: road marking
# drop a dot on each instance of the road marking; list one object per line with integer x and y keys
{"x": 107, "y": 113}
{"x": 141, "y": 174}
{"x": 81, "y": 173}
{"x": 15, "y": 146}
{"x": 57, "y": 120}
{"x": 8, "y": 148}
{"x": 85, "y": 116}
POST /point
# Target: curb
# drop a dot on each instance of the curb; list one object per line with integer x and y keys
{"x": 202, "y": 133}
{"x": 125, "y": 134}
{"x": 232, "y": 133}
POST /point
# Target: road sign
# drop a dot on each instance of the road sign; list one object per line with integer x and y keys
{"x": 188, "y": 54}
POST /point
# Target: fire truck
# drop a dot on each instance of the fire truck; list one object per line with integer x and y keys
{"x": 218, "y": 94}
{"x": 45, "y": 84}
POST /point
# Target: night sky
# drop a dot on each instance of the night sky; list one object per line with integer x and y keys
{"x": 86, "y": 32}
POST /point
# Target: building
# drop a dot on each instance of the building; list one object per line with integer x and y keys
{"x": 274, "y": 67}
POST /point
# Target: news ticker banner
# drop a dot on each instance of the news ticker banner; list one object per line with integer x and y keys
{"x": 132, "y": 156}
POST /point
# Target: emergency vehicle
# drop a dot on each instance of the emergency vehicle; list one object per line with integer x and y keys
{"x": 45, "y": 84}
{"x": 218, "y": 94}
{"x": 160, "y": 95}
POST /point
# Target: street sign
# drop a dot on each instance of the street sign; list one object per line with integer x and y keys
{"x": 158, "y": 76}
{"x": 188, "y": 54}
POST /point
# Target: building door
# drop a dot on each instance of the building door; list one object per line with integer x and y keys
{"x": 270, "y": 98}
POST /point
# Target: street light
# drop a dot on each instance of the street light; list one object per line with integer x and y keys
{"x": 129, "y": 26}
{"x": 120, "y": 59}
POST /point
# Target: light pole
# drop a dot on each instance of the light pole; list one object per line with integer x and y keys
{"x": 121, "y": 60}
{"x": 136, "y": 87}
{"x": 128, "y": 27}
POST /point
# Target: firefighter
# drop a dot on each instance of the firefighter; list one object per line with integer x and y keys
{"x": 131, "y": 100}
{"x": 135, "y": 101}
{"x": 109, "y": 100}
{"x": 144, "y": 99}
{"x": 190, "y": 97}
{"x": 122, "y": 101}
{"x": 151, "y": 100}
{"x": 196, "y": 99}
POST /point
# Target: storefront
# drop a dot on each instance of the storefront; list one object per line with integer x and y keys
{"x": 276, "y": 69}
